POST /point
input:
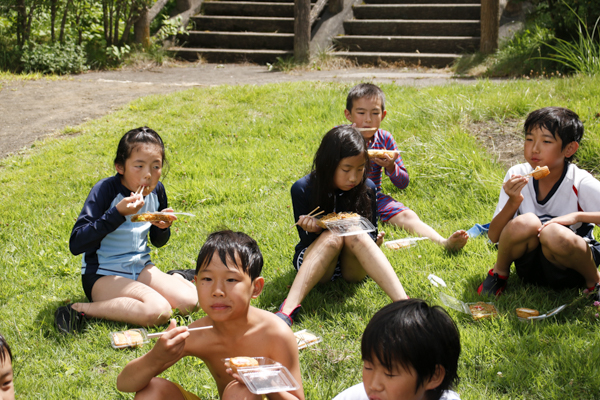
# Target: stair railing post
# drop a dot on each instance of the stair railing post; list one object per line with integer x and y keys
{"x": 301, "y": 30}
{"x": 490, "y": 24}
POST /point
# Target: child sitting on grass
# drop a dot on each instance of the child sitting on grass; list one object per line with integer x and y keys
{"x": 546, "y": 226}
{"x": 7, "y": 386}
{"x": 338, "y": 183}
{"x": 410, "y": 352}
{"x": 365, "y": 108}
{"x": 118, "y": 277}
{"x": 228, "y": 278}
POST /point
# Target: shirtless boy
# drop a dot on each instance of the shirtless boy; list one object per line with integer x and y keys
{"x": 227, "y": 271}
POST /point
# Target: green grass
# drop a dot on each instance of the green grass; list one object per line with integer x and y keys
{"x": 234, "y": 153}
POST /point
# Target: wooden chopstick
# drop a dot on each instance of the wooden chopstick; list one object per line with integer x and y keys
{"x": 310, "y": 214}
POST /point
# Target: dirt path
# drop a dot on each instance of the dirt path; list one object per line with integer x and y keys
{"x": 30, "y": 110}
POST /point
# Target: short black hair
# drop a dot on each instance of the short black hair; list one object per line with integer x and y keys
{"x": 410, "y": 333}
{"x": 367, "y": 90}
{"x": 228, "y": 245}
{"x": 4, "y": 349}
{"x": 134, "y": 137}
{"x": 558, "y": 121}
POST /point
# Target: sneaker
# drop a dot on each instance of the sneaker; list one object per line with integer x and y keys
{"x": 594, "y": 292}
{"x": 493, "y": 285}
{"x": 188, "y": 274}
{"x": 68, "y": 320}
{"x": 288, "y": 319}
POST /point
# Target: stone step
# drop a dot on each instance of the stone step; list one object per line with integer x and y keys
{"x": 409, "y": 44}
{"x": 243, "y": 24}
{"x": 249, "y": 9}
{"x": 230, "y": 55}
{"x": 437, "y": 60}
{"x": 418, "y": 11}
{"x": 395, "y": 27}
{"x": 423, "y": 1}
{"x": 239, "y": 40}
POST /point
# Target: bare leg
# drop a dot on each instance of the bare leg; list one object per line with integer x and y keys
{"x": 518, "y": 238}
{"x": 320, "y": 259}
{"x": 237, "y": 391}
{"x": 361, "y": 257}
{"x": 180, "y": 293}
{"x": 410, "y": 222}
{"x": 562, "y": 247}
{"x": 158, "y": 389}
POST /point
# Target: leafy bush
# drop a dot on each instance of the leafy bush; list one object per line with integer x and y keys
{"x": 55, "y": 58}
{"x": 563, "y": 16}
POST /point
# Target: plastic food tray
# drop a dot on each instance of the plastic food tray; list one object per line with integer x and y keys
{"x": 463, "y": 307}
{"x": 403, "y": 243}
{"x": 550, "y": 313}
{"x": 306, "y": 338}
{"x": 130, "y": 342}
{"x": 350, "y": 226}
{"x": 268, "y": 377}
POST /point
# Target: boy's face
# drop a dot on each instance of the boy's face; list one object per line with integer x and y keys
{"x": 382, "y": 384}
{"x": 7, "y": 387}
{"x": 224, "y": 292}
{"x": 366, "y": 113}
{"x": 542, "y": 148}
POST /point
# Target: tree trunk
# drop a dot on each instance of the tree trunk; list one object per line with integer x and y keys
{"x": 141, "y": 28}
{"x": 64, "y": 22}
{"x": 490, "y": 23}
{"x": 52, "y": 19}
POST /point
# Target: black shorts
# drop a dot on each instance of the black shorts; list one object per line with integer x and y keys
{"x": 299, "y": 259}
{"x": 535, "y": 268}
{"x": 88, "y": 281}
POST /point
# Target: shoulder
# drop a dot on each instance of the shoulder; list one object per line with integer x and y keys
{"x": 107, "y": 187}
{"x": 356, "y": 392}
{"x": 272, "y": 327}
{"x": 301, "y": 185}
{"x": 370, "y": 184}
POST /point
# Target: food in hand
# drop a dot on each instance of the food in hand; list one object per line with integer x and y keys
{"x": 152, "y": 217}
{"x": 527, "y": 312}
{"x": 239, "y": 362}
{"x": 130, "y": 338}
{"x": 331, "y": 217}
{"x": 481, "y": 310}
{"x": 382, "y": 153}
{"x": 540, "y": 172}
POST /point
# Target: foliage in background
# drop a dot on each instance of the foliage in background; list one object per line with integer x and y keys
{"x": 563, "y": 16}
{"x": 234, "y": 152}
{"x": 54, "y": 58}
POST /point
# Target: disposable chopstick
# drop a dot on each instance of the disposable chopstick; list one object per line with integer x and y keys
{"x": 310, "y": 214}
{"x": 366, "y": 129}
{"x": 140, "y": 190}
{"x": 159, "y": 334}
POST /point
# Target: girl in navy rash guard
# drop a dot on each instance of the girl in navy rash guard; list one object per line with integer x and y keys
{"x": 118, "y": 276}
{"x": 337, "y": 183}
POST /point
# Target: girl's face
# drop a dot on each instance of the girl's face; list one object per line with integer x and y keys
{"x": 349, "y": 172}
{"x": 142, "y": 168}
{"x": 7, "y": 387}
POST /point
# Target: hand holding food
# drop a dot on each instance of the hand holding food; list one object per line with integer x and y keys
{"x": 382, "y": 153}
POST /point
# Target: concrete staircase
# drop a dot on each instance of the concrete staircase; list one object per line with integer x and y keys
{"x": 431, "y": 33}
{"x": 256, "y": 31}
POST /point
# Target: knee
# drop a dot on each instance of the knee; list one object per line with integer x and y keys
{"x": 331, "y": 241}
{"x": 527, "y": 224}
{"x": 236, "y": 391}
{"x": 156, "y": 313}
{"x": 156, "y": 389}
{"x": 406, "y": 216}
{"x": 560, "y": 240}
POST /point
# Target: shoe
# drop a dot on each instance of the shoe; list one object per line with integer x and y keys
{"x": 493, "y": 285}
{"x": 594, "y": 292}
{"x": 188, "y": 274}
{"x": 288, "y": 319}
{"x": 68, "y": 320}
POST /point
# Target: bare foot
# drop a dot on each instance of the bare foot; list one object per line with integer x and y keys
{"x": 456, "y": 241}
{"x": 379, "y": 240}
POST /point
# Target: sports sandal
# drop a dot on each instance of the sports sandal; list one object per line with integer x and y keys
{"x": 594, "y": 292}
{"x": 188, "y": 274}
{"x": 288, "y": 319}
{"x": 68, "y": 320}
{"x": 493, "y": 285}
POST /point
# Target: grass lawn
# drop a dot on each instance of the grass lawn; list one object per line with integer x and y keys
{"x": 233, "y": 154}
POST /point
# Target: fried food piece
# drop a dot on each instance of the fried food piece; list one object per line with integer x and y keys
{"x": 540, "y": 172}
{"x": 130, "y": 338}
{"x": 527, "y": 312}
{"x": 331, "y": 217}
{"x": 381, "y": 153}
{"x": 304, "y": 339}
{"x": 152, "y": 217}
{"x": 239, "y": 362}
{"x": 481, "y": 310}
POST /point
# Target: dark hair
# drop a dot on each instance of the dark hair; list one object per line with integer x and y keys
{"x": 228, "y": 245}
{"x": 4, "y": 348}
{"x": 367, "y": 90}
{"x": 410, "y": 333}
{"x": 558, "y": 121}
{"x": 339, "y": 143}
{"x": 133, "y": 138}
